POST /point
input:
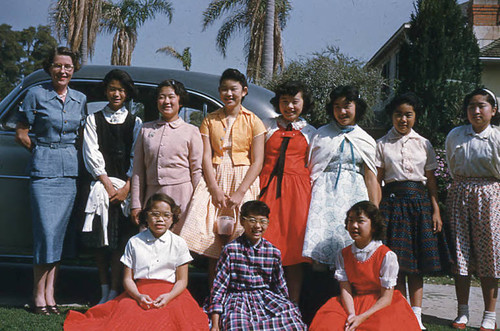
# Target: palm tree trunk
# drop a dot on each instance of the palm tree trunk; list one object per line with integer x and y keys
{"x": 84, "y": 45}
{"x": 268, "y": 51}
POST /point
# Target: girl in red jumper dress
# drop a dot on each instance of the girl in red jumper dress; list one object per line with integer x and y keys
{"x": 367, "y": 271}
{"x": 284, "y": 180}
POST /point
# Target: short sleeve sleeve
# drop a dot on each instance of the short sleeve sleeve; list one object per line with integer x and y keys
{"x": 431, "y": 162}
{"x": 128, "y": 255}
{"x": 379, "y": 155}
{"x": 340, "y": 273}
{"x": 27, "y": 110}
{"x": 205, "y": 127}
{"x": 258, "y": 127}
{"x": 183, "y": 255}
{"x": 389, "y": 270}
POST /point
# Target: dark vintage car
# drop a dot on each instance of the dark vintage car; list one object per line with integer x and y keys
{"x": 15, "y": 216}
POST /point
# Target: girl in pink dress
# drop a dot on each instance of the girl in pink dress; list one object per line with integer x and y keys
{"x": 168, "y": 154}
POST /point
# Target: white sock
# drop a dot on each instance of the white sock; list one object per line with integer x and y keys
{"x": 112, "y": 294}
{"x": 489, "y": 318}
{"x": 104, "y": 293}
{"x": 418, "y": 313}
{"x": 463, "y": 314}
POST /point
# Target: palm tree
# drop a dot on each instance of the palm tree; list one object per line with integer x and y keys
{"x": 77, "y": 21}
{"x": 185, "y": 57}
{"x": 249, "y": 16}
{"x": 123, "y": 19}
{"x": 268, "y": 51}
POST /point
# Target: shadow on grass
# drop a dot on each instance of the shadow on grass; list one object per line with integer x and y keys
{"x": 434, "y": 323}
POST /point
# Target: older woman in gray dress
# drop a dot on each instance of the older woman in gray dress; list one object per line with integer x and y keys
{"x": 54, "y": 113}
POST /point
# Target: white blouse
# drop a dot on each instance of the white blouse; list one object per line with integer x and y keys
{"x": 405, "y": 157}
{"x": 388, "y": 271}
{"x": 273, "y": 125}
{"x": 92, "y": 156}
{"x": 155, "y": 258}
{"x": 471, "y": 154}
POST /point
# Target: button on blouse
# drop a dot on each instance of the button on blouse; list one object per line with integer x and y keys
{"x": 155, "y": 258}
{"x": 405, "y": 157}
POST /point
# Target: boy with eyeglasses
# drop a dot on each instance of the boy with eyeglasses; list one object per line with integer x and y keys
{"x": 249, "y": 291}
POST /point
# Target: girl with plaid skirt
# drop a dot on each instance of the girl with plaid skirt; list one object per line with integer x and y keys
{"x": 249, "y": 290}
{"x": 473, "y": 154}
{"x": 406, "y": 162}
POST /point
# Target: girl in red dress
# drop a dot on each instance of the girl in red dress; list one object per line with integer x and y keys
{"x": 284, "y": 180}
{"x": 367, "y": 271}
{"x": 155, "y": 279}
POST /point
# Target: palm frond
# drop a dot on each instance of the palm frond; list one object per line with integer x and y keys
{"x": 169, "y": 50}
{"x": 237, "y": 22}
{"x": 217, "y": 8}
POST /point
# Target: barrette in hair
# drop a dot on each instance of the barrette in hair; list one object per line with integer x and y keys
{"x": 492, "y": 95}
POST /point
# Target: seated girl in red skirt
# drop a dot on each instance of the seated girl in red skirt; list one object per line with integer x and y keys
{"x": 155, "y": 280}
{"x": 367, "y": 271}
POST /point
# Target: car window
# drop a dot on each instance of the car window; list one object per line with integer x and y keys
{"x": 144, "y": 105}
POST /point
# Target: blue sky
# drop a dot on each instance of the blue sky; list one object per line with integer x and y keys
{"x": 358, "y": 27}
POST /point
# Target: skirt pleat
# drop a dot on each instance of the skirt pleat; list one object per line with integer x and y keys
{"x": 408, "y": 212}
{"x": 199, "y": 229}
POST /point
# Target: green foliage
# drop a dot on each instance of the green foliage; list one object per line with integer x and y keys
{"x": 21, "y": 53}
{"x": 439, "y": 62}
{"x": 326, "y": 70}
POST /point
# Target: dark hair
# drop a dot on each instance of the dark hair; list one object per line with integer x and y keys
{"x": 292, "y": 88}
{"x": 351, "y": 94}
{"x": 178, "y": 88}
{"x": 409, "y": 98}
{"x": 373, "y": 213}
{"x": 124, "y": 78}
{"x": 49, "y": 60}
{"x": 254, "y": 207}
{"x": 234, "y": 74}
{"x": 490, "y": 97}
{"x": 176, "y": 210}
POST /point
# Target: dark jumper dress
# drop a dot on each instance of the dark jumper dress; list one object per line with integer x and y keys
{"x": 115, "y": 143}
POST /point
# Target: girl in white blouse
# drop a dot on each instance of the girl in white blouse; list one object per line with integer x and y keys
{"x": 108, "y": 149}
{"x": 367, "y": 271}
{"x": 405, "y": 163}
{"x": 473, "y": 154}
{"x": 155, "y": 279}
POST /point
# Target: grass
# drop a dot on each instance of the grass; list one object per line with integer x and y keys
{"x": 19, "y": 319}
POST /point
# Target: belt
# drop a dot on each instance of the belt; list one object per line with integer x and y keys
{"x": 55, "y": 145}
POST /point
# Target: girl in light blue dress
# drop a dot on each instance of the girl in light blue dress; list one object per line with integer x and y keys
{"x": 343, "y": 172}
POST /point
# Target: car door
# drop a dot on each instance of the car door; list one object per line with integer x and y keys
{"x": 15, "y": 218}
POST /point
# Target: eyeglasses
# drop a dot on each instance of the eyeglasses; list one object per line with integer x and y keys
{"x": 157, "y": 215}
{"x": 60, "y": 66}
{"x": 253, "y": 221}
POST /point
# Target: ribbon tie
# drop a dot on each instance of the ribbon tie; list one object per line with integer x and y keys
{"x": 279, "y": 167}
{"x": 344, "y": 130}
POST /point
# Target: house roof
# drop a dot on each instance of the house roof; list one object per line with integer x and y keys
{"x": 394, "y": 42}
{"x": 491, "y": 50}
